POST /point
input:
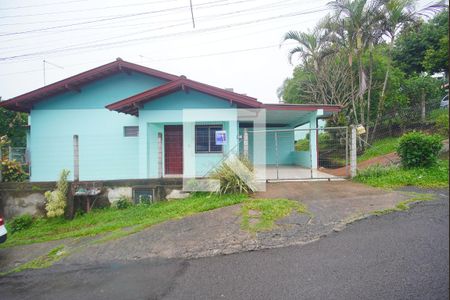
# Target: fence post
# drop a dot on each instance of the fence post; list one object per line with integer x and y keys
{"x": 160, "y": 171}
{"x": 76, "y": 161}
{"x": 353, "y": 150}
{"x": 1, "y": 165}
{"x": 245, "y": 143}
{"x": 276, "y": 151}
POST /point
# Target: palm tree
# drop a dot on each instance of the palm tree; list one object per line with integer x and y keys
{"x": 312, "y": 46}
{"x": 354, "y": 27}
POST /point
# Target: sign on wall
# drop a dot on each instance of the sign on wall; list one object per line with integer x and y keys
{"x": 221, "y": 137}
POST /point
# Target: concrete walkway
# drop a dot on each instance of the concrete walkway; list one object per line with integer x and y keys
{"x": 332, "y": 204}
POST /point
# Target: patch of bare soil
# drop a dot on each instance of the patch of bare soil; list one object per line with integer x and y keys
{"x": 384, "y": 160}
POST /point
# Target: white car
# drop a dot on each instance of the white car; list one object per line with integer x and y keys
{"x": 444, "y": 102}
{"x": 3, "y": 232}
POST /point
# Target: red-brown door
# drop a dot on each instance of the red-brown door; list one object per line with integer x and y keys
{"x": 173, "y": 149}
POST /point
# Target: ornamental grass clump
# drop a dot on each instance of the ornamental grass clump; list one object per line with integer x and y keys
{"x": 57, "y": 199}
{"x": 417, "y": 149}
{"x": 235, "y": 176}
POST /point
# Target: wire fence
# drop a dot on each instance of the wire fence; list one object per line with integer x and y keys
{"x": 379, "y": 146}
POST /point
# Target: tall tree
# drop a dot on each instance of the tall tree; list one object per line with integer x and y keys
{"x": 398, "y": 14}
{"x": 357, "y": 26}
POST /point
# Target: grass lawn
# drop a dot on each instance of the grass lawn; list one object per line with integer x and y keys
{"x": 112, "y": 219}
{"x": 380, "y": 147}
{"x": 266, "y": 212}
{"x": 395, "y": 176}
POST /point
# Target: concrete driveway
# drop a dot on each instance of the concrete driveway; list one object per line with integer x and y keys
{"x": 332, "y": 204}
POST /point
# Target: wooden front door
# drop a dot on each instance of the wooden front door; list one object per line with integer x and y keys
{"x": 173, "y": 149}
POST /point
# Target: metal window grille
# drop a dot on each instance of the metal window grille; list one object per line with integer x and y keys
{"x": 205, "y": 139}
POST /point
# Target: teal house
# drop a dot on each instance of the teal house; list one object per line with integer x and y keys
{"x": 126, "y": 121}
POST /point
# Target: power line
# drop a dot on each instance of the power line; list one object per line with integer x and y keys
{"x": 279, "y": 4}
{"x": 42, "y": 5}
{"x": 137, "y": 40}
{"x": 87, "y": 9}
{"x": 241, "y": 12}
{"x": 103, "y": 20}
{"x": 165, "y": 59}
{"x": 204, "y": 43}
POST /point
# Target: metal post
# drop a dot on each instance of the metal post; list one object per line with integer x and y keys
{"x": 160, "y": 172}
{"x": 276, "y": 151}
{"x": 245, "y": 142}
{"x": 0, "y": 164}
{"x": 353, "y": 153}
{"x": 76, "y": 161}
{"x": 346, "y": 152}
{"x": 310, "y": 154}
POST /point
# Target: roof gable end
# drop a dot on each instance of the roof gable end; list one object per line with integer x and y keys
{"x": 24, "y": 103}
{"x": 132, "y": 104}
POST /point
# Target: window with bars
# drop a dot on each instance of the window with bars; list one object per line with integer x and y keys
{"x": 131, "y": 131}
{"x": 205, "y": 139}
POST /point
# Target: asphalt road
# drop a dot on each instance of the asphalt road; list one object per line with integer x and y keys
{"x": 397, "y": 256}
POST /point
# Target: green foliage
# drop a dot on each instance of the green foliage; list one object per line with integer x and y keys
{"x": 57, "y": 199}
{"x": 302, "y": 145}
{"x": 440, "y": 119}
{"x": 417, "y": 88}
{"x": 122, "y": 203}
{"x": 267, "y": 212}
{"x": 12, "y": 171}
{"x": 293, "y": 89}
{"x": 394, "y": 176}
{"x": 230, "y": 182}
{"x": 12, "y": 125}
{"x": 379, "y": 147}
{"x": 436, "y": 60}
{"x": 417, "y": 149}
{"x": 111, "y": 220}
{"x": 424, "y": 46}
{"x": 20, "y": 223}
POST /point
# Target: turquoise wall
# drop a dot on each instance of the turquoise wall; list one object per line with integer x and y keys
{"x": 206, "y": 109}
{"x": 302, "y": 158}
{"x": 286, "y": 146}
{"x": 104, "y": 152}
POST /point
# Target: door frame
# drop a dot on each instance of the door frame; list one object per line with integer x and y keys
{"x": 166, "y": 173}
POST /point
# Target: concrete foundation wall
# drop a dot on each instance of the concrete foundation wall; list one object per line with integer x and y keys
{"x": 28, "y": 198}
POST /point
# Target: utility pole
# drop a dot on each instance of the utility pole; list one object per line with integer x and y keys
{"x": 50, "y": 63}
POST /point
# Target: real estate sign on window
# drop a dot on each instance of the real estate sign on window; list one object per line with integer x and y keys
{"x": 221, "y": 137}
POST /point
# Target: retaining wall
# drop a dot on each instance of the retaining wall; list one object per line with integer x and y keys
{"x": 28, "y": 197}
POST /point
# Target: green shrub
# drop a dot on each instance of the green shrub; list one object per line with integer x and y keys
{"x": 57, "y": 199}
{"x": 122, "y": 203}
{"x": 417, "y": 149}
{"x": 302, "y": 145}
{"x": 442, "y": 123}
{"x": 20, "y": 223}
{"x": 230, "y": 182}
{"x": 12, "y": 171}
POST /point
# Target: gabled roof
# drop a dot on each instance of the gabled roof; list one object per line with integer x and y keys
{"x": 23, "y": 103}
{"x": 131, "y": 104}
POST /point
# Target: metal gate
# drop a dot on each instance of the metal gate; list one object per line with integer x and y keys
{"x": 300, "y": 154}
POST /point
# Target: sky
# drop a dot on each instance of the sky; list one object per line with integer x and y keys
{"x": 235, "y": 43}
